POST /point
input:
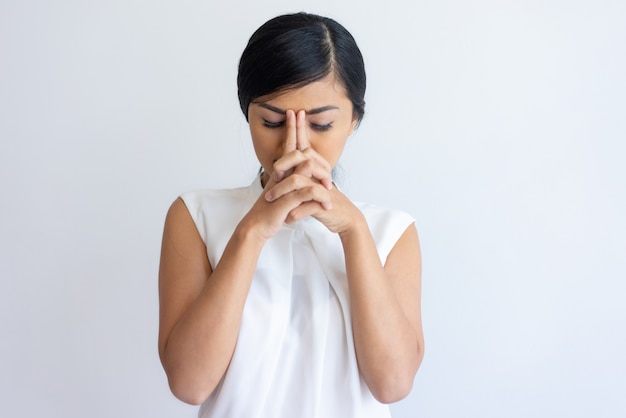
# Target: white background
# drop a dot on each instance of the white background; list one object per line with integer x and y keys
{"x": 500, "y": 125}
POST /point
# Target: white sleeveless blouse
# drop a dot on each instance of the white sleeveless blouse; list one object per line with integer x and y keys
{"x": 295, "y": 355}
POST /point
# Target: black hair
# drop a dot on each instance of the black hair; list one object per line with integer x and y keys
{"x": 293, "y": 50}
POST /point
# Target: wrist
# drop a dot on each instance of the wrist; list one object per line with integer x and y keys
{"x": 356, "y": 227}
{"x": 247, "y": 232}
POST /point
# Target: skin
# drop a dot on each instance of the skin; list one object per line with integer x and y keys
{"x": 298, "y": 136}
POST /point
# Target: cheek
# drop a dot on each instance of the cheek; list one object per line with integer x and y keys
{"x": 264, "y": 142}
{"x": 330, "y": 148}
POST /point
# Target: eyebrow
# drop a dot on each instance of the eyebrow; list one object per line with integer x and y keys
{"x": 308, "y": 112}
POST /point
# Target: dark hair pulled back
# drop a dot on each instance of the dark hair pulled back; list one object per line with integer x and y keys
{"x": 293, "y": 50}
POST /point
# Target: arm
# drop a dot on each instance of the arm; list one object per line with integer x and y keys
{"x": 200, "y": 309}
{"x": 385, "y": 300}
{"x": 385, "y": 306}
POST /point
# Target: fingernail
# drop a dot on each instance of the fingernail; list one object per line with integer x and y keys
{"x": 268, "y": 196}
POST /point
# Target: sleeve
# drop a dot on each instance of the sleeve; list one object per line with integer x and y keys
{"x": 216, "y": 214}
{"x": 386, "y": 226}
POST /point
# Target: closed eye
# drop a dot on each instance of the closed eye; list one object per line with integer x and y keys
{"x": 314, "y": 126}
{"x": 272, "y": 125}
{"x": 321, "y": 128}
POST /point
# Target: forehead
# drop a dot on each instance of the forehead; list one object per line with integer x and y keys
{"x": 325, "y": 92}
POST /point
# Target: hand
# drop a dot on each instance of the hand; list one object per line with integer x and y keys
{"x": 303, "y": 174}
{"x": 300, "y": 177}
{"x": 298, "y": 154}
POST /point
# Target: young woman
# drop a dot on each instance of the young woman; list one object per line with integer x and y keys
{"x": 285, "y": 298}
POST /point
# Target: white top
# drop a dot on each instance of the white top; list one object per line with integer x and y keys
{"x": 295, "y": 352}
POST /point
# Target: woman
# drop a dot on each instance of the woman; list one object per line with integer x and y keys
{"x": 285, "y": 298}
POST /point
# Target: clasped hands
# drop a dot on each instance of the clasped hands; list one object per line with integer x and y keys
{"x": 300, "y": 185}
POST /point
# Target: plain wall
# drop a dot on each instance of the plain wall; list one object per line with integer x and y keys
{"x": 500, "y": 125}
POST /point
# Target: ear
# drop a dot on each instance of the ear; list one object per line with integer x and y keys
{"x": 353, "y": 125}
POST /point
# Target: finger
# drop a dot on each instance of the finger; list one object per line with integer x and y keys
{"x": 285, "y": 165}
{"x": 312, "y": 168}
{"x": 302, "y": 138}
{"x": 308, "y": 163}
{"x": 290, "y": 144}
{"x": 304, "y": 210}
{"x": 289, "y": 185}
{"x": 325, "y": 172}
{"x": 301, "y": 189}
